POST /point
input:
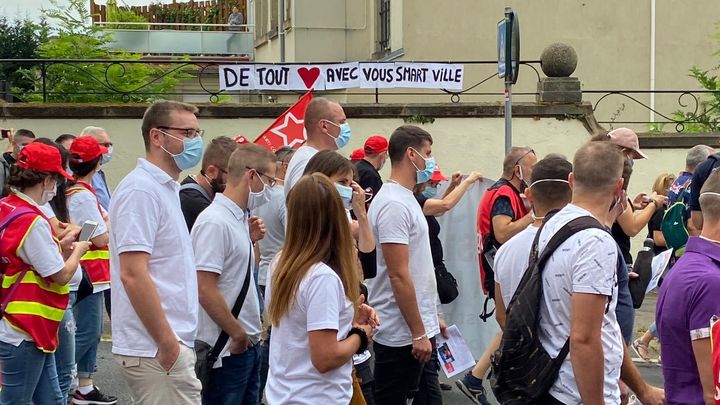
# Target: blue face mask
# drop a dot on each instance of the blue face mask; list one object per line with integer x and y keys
{"x": 424, "y": 175}
{"x": 430, "y": 192}
{"x": 192, "y": 152}
{"x": 107, "y": 157}
{"x": 344, "y": 137}
{"x": 346, "y": 194}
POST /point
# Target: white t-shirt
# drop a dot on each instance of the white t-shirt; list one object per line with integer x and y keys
{"x": 396, "y": 217}
{"x": 40, "y": 251}
{"x": 221, "y": 241}
{"x": 511, "y": 261}
{"x": 273, "y": 215}
{"x": 297, "y": 164}
{"x": 77, "y": 276}
{"x": 320, "y": 303}
{"x": 585, "y": 263}
{"x": 146, "y": 217}
{"x": 83, "y": 206}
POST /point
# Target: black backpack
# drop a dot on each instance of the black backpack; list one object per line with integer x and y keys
{"x": 522, "y": 370}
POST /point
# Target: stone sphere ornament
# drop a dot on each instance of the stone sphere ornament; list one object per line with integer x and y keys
{"x": 558, "y": 60}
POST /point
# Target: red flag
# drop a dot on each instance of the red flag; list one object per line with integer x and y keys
{"x": 288, "y": 129}
{"x": 715, "y": 344}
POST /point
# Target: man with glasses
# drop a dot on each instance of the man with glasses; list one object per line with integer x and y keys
{"x": 502, "y": 214}
{"x": 197, "y": 192}
{"x": 327, "y": 129}
{"x": 155, "y": 296}
{"x": 99, "y": 181}
{"x": 223, "y": 259}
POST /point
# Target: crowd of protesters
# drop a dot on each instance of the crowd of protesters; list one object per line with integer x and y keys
{"x": 301, "y": 276}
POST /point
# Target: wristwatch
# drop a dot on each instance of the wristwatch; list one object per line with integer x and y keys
{"x": 364, "y": 341}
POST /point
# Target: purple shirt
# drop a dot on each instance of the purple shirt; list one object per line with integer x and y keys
{"x": 688, "y": 300}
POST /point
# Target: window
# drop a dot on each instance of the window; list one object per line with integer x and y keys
{"x": 261, "y": 20}
{"x": 383, "y": 43}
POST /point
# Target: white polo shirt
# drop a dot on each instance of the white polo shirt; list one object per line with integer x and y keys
{"x": 297, "y": 164}
{"x": 146, "y": 217}
{"x": 221, "y": 240}
{"x": 84, "y": 206}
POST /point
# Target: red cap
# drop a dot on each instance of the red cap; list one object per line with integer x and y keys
{"x": 357, "y": 154}
{"x": 42, "y": 158}
{"x": 376, "y": 144}
{"x": 437, "y": 175}
{"x": 85, "y": 149}
{"x": 240, "y": 140}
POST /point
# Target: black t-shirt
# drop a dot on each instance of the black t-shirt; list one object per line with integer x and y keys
{"x": 702, "y": 172}
{"x": 369, "y": 177}
{"x": 623, "y": 241}
{"x": 654, "y": 225}
{"x": 192, "y": 203}
{"x": 434, "y": 232}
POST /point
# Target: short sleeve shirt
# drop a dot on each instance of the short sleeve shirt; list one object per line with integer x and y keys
{"x": 83, "y": 206}
{"x": 297, "y": 164}
{"x": 687, "y": 301}
{"x": 585, "y": 263}
{"x": 146, "y": 217}
{"x": 511, "y": 261}
{"x": 369, "y": 177}
{"x": 320, "y": 303}
{"x": 396, "y": 218}
{"x": 221, "y": 241}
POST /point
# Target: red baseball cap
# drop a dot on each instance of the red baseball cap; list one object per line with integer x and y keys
{"x": 437, "y": 175}
{"x": 85, "y": 149}
{"x": 357, "y": 154}
{"x": 376, "y": 144}
{"x": 42, "y": 158}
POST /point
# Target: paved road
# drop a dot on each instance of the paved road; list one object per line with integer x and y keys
{"x": 111, "y": 381}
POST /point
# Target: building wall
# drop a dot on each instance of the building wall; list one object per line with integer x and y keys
{"x": 612, "y": 39}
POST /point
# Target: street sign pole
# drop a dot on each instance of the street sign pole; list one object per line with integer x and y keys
{"x": 508, "y": 64}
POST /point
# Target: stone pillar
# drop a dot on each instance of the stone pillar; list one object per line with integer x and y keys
{"x": 558, "y": 61}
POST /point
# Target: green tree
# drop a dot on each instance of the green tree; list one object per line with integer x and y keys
{"x": 117, "y": 13}
{"x": 20, "y": 40}
{"x": 77, "y": 82}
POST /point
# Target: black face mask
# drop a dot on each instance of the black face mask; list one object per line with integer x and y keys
{"x": 215, "y": 185}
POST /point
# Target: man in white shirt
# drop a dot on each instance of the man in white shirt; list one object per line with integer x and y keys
{"x": 155, "y": 302}
{"x": 224, "y": 259}
{"x": 326, "y": 128}
{"x": 404, "y": 292}
{"x": 580, "y": 285}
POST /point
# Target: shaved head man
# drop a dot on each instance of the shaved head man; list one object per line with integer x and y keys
{"x": 327, "y": 129}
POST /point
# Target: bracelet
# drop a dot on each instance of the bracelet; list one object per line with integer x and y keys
{"x": 419, "y": 338}
{"x": 364, "y": 341}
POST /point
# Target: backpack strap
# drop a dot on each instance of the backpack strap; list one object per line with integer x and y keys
{"x": 569, "y": 229}
{"x": 196, "y": 187}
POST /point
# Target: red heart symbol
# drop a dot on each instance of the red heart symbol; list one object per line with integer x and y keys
{"x": 309, "y": 76}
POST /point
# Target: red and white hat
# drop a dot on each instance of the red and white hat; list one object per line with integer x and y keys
{"x": 42, "y": 158}
{"x": 86, "y": 149}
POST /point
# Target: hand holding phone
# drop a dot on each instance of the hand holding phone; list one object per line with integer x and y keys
{"x": 87, "y": 231}
{"x": 5, "y": 133}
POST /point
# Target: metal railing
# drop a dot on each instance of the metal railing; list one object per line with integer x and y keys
{"x": 164, "y": 38}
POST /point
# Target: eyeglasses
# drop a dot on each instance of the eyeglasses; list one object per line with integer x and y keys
{"x": 271, "y": 180}
{"x": 517, "y": 162}
{"x": 188, "y": 132}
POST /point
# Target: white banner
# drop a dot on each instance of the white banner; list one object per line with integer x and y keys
{"x": 371, "y": 75}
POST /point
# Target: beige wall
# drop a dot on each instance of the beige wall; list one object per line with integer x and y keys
{"x": 612, "y": 39}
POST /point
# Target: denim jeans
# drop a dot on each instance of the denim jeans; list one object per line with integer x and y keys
{"x": 28, "y": 374}
{"x": 88, "y": 317}
{"x": 399, "y": 376}
{"x": 237, "y": 381}
{"x": 429, "y": 392}
{"x": 65, "y": 353}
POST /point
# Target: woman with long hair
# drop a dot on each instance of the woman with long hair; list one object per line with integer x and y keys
{"x": 318, "y": 321}
{"x": 36, "y": 271}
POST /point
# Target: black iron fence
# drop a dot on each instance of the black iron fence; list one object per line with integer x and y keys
{"x": 108, "y": 81}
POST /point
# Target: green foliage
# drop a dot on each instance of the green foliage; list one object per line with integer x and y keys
{"x": 76, "y": 82}
{"x": 115, "y": 13}
{"x": 418, "y": 119}
{"x": 186, "y": 13}
{"x": 20, "y": 40}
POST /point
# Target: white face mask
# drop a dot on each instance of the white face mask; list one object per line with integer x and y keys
{"x": 260, "y": 198}
{"x": 48, "y": 195}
